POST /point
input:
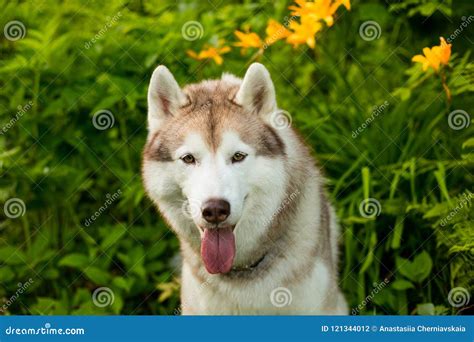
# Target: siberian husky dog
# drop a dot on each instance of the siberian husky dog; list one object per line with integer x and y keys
{"x": 242, "y": 192}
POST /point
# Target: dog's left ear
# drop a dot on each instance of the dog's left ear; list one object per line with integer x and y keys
{"x": 164, "y": 97}
{"x": 257, "y": 91}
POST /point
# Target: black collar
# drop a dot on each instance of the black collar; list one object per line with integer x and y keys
{"x": 248, "y": 267}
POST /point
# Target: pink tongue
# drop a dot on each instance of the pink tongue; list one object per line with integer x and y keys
{"x": 218, "y": 250}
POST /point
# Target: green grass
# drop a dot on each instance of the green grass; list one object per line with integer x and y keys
{"x": 64, "y": 169}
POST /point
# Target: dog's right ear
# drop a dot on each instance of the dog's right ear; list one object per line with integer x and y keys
{"x": 164, "y": 97}
{"x": 257, "y": 91}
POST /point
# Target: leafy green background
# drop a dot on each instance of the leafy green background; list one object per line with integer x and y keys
{"x": 63, "y": 168}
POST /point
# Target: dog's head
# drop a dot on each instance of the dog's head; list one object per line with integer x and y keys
{"x": 213, "y": 162}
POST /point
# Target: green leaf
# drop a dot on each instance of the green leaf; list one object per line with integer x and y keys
{"x": 122, "y": 283}
{"x": 468, "y": 143}
{"x": 366, "y": 181}
{"x": 75, "y": 260}
{"x": 113, "y": 237}
{"x": 425, "y": 309}
{"x": 397, "y": 232}
{"x": 416, "y": 270}
{"x": 440, "y": 175}
{"x": 6, "y": 274}
{"x": 44, "y": 306}
{"x": 97, "y": 275}
{"x": 402, "y": 285}
{"x": 11, "y": 255}
{"x": 370, "y": 256}
{"x": 50, "y": 274}
{"x": 117, "y": 305}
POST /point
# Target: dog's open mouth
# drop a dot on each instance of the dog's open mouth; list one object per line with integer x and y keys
{"x": 218, "y": 249}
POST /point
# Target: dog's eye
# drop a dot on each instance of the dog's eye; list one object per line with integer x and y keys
{"x": 188, "y": 159}
{"x": 238, "y": 157}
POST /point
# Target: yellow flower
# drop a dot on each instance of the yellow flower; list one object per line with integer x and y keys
{"x": 305, "y": 8}
{"x": 304, "y": 32}
{"x": 445, "y": 51}
{"x": 435, "y": 56}
{"x": 346, "y": 3}
{"x": 275, "y": 31}
{"x": 212, "y": 52}
{"x": 248, "y": 40}
{"x": 428, "y": 60}
{"x": 319, "y": 9}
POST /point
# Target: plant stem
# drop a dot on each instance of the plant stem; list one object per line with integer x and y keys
{"x": 446, "y": 89}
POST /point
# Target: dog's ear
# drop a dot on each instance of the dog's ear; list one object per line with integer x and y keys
{"x": 257, "y": 91}
{"x": 164, "y": 97}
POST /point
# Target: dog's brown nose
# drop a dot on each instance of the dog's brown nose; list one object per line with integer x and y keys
{"x": 216, "y": 210}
